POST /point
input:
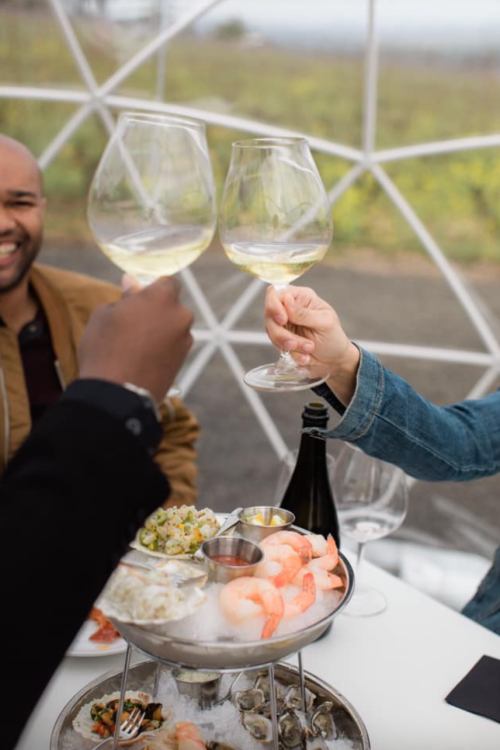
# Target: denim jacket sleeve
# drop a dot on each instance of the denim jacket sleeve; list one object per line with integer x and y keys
{"x": 388, "y": 419}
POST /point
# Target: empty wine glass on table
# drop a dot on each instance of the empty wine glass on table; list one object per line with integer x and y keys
{"x": 151, "y": 204}
{"x": 275, "y": 223}
{"x": 372, "y": 502}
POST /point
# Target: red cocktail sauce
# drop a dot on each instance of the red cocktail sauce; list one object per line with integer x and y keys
{"x": 230, "y": 560}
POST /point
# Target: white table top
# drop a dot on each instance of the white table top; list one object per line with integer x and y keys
{"x": 395, "y": 668}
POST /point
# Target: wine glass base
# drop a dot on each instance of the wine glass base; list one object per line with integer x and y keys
{"x": 365, "y": 602}
{"x": 279, "y": 377}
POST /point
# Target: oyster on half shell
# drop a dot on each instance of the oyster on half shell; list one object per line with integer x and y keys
{"x": 259, "y": 726}
{"x": 249, "y": 700}
{"x": 322, "y": 722}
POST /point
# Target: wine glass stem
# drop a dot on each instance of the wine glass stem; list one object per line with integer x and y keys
{"x": 361, "y": 549}
{"x": 285, "y": 356}
{"x": 286, "y": 359}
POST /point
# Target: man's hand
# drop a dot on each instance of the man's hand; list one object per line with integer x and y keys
{"x": 300, "y": 322}
{"x": 143, "y": 339}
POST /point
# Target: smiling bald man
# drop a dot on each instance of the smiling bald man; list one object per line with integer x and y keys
{"x": 43, "y": 313}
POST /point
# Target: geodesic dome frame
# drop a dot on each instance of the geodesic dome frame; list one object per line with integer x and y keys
{"x": 221, "y": 334}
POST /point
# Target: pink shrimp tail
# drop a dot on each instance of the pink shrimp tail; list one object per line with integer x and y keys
{"x": 287, "y": 574}
{"x": 309, "y": 585}
{"x": 270, "y": 626}
{"x": 305, "y": 599}
{"x": 335, "y": 581}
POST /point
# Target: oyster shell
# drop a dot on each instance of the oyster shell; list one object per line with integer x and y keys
{"x": 263, "y": 683}
{"x": 313, "y": 742}
{"x": 249, "y": 700}
{"x": 293, "y": 698}
{"x": 322, "y": 722}
{"x": 259, "y": 726}
{"x": 266, "y": 708}
{"x": 291, "y": 725}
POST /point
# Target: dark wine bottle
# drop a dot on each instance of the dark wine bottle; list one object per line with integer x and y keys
{"x": 309, "y": 494}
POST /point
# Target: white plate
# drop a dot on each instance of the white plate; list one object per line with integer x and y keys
{"x": 82, "y": 646}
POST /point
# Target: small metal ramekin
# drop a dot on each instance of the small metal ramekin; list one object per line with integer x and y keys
{"x": 201, "y": 686}
{"x": 220, "y": 572}
{"x": 257, "y": 533}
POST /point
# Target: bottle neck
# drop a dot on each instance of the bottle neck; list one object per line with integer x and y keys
{"x": 314, "y": 415}
{"x": 311, "y": 449}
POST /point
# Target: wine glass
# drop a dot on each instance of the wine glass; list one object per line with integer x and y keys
{"x": 372, "y": 501}
{"x": 275, "y": 223}
{"x": 151, "y": 204}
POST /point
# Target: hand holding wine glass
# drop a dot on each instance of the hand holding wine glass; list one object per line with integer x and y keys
{"x": 275, "y": 223}
{"x": 372, "y": 502}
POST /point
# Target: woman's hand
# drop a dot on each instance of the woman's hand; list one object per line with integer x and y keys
{"x": 300, "y": 322}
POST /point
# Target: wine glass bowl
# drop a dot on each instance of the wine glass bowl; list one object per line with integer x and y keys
{"x": 372, "y": 502}
{"x": 151, "y": 203}
{"x": 275, "y": 223}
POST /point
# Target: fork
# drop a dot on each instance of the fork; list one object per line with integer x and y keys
{"x": 129, "y": 728}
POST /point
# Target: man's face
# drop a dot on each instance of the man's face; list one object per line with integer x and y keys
{"x": 22, "y": 209}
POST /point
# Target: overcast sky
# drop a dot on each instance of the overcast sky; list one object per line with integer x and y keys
{"x": 393, "y": 16}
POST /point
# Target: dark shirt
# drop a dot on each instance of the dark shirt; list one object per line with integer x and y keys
{"x": 38, "y": 358}
{"x": 70, "y": 500}
{"x": 44, "y": 387}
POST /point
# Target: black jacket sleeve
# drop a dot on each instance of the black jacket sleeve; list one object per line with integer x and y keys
{"x": 70, "y": 501}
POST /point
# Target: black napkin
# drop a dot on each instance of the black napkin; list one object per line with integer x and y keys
{"x": 479, "y": 691}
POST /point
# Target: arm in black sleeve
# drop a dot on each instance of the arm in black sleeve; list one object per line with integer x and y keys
{"x": 70, "y": 501}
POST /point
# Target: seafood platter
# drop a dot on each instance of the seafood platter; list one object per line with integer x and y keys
{"x": 240, "y": 722}
{"x": 209, "y": 600}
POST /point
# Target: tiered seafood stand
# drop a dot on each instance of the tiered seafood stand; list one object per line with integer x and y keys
{"x": 281, "y": 705}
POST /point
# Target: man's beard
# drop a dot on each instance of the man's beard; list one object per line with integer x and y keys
{"x": 23, "y": 270}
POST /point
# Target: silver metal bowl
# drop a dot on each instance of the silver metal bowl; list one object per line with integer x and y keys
{"x": 233, "y": 655}
{"x": 257, "y": 533}
{"x": 202, "y": 686}
{"x": 222, "y": 572}
{"x": 142, "y": 677}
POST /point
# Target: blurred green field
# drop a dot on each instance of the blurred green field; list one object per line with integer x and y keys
{"x": 457, "y": 195}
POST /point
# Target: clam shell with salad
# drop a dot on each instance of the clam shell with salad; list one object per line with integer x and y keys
{"x": 176, "y": 532}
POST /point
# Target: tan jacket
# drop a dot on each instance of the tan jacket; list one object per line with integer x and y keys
{"x": 68, "y": 300}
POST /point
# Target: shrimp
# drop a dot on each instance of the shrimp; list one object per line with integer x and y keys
{"x": 322, "y": 578}
{"x": 161, "y": 739}
{"x": 289, "y": 563}
{"x": 189, "y": 737}
{"x": 247, "y": 597}
{"x": 318, "y": 544}
{"x": 329, "y": 556}
{"x": 304, "y": 600}
{"x": 293, "y": 539}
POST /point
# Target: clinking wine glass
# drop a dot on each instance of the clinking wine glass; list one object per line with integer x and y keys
{"x": 275, "y": 223}
{"x": 372, "y": 502}
{"x": 151, "y": 204}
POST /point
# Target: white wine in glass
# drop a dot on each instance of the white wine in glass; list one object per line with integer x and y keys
{"x": 275, "y": 223}
{"x": 151, "y": 204}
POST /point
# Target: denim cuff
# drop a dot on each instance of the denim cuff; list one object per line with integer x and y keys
{"x": 364, "y": 405}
